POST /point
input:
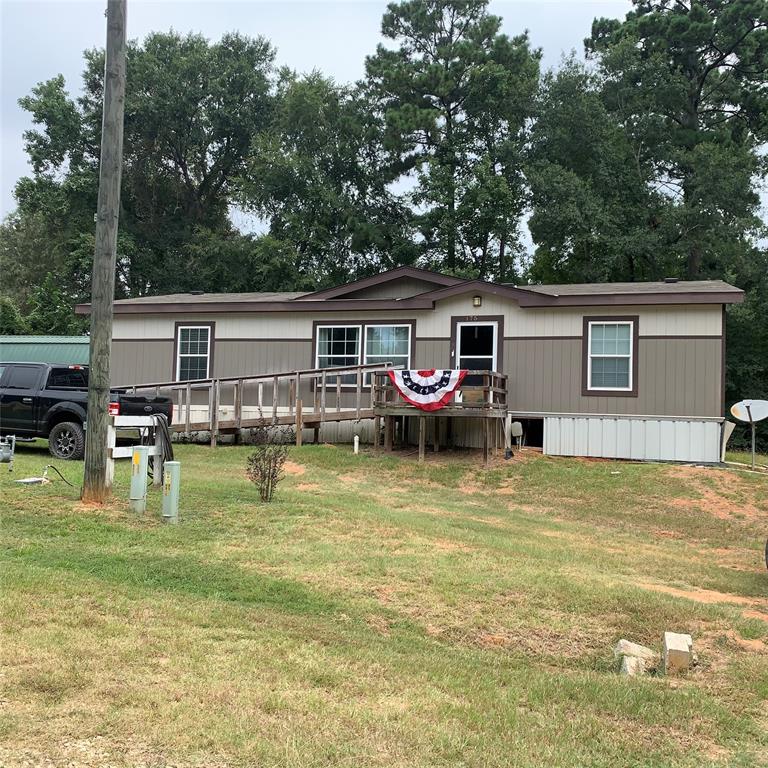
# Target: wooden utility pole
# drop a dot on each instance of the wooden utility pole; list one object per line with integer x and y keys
{"x": 96, "y": 484}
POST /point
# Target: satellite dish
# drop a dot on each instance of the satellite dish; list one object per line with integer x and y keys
{"x": 750, "y": 410}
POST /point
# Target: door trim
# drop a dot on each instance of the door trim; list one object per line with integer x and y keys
{"x": 498, "y": 319}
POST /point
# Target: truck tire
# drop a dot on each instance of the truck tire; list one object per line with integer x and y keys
{"x": 66, "y": 440}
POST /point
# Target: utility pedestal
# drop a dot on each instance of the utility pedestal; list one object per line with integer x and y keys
{"x": 172, "y": 475}
{"x": 139, "y": 460}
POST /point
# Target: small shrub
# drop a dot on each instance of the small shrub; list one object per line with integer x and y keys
{"x": 265, "y": 465}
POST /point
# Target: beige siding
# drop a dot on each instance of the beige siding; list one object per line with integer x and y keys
{"x": 432, "y": 353}
{"x": 676, "y": 320}
{"x": 541, "y": 353}
{"x": 141, "y": 362}
{"x": 676, "y": 377}
{"x": 397, "y": 289}
{"x": 236, "y": 358}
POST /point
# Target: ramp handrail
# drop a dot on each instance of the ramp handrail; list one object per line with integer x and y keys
{"x": 279, "y": 398}
{"x": 367, "y": 368}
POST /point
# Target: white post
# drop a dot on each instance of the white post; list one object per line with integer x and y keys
{"x": 356, "y": 444}
{"x": 111, "y": 443}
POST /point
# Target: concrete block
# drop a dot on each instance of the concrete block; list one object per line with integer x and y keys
{"x": 632, "y": 666}
{"x": 678, "y": 652}
{"x": 626, "y": 648}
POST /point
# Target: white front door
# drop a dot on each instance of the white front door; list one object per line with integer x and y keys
{"x": 476, "y": 345}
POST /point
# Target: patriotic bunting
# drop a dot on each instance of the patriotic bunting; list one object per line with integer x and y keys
{"x": 428, "y": 390}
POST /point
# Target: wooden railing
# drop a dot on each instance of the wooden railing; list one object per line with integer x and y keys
{"x": 305, "y": 397}
{"x": 480, "y": 391}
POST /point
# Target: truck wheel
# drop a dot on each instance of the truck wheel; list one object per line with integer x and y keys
{"x": 67, "y": 441}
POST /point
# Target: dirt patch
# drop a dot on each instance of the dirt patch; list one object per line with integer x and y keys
{"x": 708, "y": 596}
{"x": 446, "y": 545}
{"x": 307, "y": 487}
{"x": 555, "y": 639}
{"x": 378, "y": 624}
{"x": 758, "y": 609}
{"x": 753, "y": 646}
{"x": 660, "y": 533}
{"x": 718, "y": 494}
{"x": 292, "y": 468}
{"x": 752, "y": 614}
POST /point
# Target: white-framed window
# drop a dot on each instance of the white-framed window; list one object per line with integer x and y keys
{"x": 610, "y": 356}
{"x": 193, "y": 352}
{"x": 338, "y": 346}
{"x": 387, "y": 344}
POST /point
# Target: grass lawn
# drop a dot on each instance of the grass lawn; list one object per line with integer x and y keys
{"x": 382, "y": 613}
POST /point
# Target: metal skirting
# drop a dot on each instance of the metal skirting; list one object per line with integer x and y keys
{"x": 645, "y": 438}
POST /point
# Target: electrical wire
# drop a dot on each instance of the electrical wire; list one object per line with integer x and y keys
{"x": 161, "y": 423}
{"x": 50, "y": 466}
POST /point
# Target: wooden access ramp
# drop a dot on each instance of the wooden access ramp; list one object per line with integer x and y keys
{"x": 304, "y": 398}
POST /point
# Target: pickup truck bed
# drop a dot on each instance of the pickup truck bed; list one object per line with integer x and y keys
{"x": 50, "y": 401}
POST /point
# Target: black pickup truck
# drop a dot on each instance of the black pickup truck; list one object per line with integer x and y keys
{"x": 41, "y": 400}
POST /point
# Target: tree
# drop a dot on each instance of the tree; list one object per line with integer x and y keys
{"x": 687, "y": 80}
{"x": 747, "y": 342}
{"x": 455, "y": 97}
{"x": 594, "y": 209}
{"x": 192, "y": 110}
{"x": 318, "y": 177}
{"x": 51, "y": 310}
{"x": 11, "y": 321}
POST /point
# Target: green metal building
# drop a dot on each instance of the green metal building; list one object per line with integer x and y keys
{"x": 63, "y": 350}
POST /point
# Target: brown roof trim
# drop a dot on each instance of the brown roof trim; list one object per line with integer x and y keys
{"x": 637, "y": 299}
{"x": 523, "y": 297}
{"x": 341, "y": 305}
{"x": 427, "y": 300}
{"x": 383, "y": 277}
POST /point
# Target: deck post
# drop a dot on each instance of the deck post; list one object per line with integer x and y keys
{"x": 316, "y": 435}
{"x": 485, "y": 441}
{"x": 376, "y": 429}
{"x": 422, "y": 438}
{"x": 188, "y": 396}
{"x": 275, "y": 395}
{"x": 437, "y": 434}
{"x": 358, "y": 392}
{"x": 323, "y": 388}
{"x": 238, "y": 405}
{"x": 299, "y": 422}
{"x": 213, "y": 408}
{"x": 388, "y": 433}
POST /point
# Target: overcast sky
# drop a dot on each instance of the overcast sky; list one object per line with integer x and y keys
{"x": 39, "y": 40}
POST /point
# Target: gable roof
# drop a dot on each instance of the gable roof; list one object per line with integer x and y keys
{"x": 436, "y": 278}
{"x": 343, "y": 297}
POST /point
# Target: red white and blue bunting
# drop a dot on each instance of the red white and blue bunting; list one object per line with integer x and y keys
{"x": 428, "y": 390}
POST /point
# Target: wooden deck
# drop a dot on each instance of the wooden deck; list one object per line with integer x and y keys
{"x": 312, "y": 397}
{"x": 485, "y": 398}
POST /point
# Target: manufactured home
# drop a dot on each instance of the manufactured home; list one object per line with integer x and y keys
{"x": 624, "y": 370}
